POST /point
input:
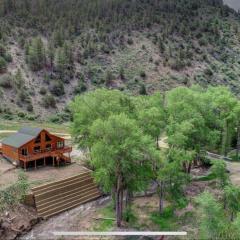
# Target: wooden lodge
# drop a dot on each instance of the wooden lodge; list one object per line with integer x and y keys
{"x": 30, "y": 147}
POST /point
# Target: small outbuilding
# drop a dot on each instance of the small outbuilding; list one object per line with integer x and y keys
{"x": 35, "y": 146}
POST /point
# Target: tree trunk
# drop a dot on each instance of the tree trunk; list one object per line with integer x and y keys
{"x": 113, "y": 195}
{"x": 161, "y": 197}
{"x": 189, "y": 167}
{"x": 238, "y": 142}
{"x": 225, "y": 138}
{"x": 128, "y": 198}
{"x": 119, "y": 200}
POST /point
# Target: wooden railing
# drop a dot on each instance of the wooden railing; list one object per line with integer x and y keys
{"x": 45, "y": 153}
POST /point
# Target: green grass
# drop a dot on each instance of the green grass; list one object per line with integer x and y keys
{"x": 103, "y": 225}
{"x": 209, "y": 177}
{"x": 15, "y": 125}
{"x": 167, "y": 221}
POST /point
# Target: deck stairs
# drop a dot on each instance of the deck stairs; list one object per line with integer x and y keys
{"x": 62, "y": 195}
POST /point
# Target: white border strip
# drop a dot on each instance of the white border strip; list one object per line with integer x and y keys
{"x": 120, "y": 233}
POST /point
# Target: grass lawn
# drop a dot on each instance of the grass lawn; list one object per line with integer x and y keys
{"x": 105, "y": 220}
{"x": 167, "y": 221}
{"x": 15, "y": 125}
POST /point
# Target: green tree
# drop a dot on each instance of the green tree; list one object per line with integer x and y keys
{"x": 232, "y": 196}
{"x": 190, "y": 120}
{"x": 169, "y": 175}
{"x": 121, "y": 156}
{"x": 210, "y": 215}
{"x": 19, "y": 79}
{"x": 223, "y": 103}
{"x": 151, "y": 115}
{"x": 36, "y": 57}
{"x": 99, "y": 104}
{"x": 219, "y": 170}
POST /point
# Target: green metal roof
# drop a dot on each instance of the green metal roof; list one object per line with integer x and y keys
{"x": 23, "y": 136}
{"x": 30, "y": 131}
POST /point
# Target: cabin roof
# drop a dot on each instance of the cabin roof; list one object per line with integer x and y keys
{"x": 23, "y": 136}
{"x": 30, "y": 131}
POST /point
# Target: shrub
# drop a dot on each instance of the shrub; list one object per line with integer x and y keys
{"x": 57, "y": 88}
{"x": 130, "y": 41}
{"x": 80, "y": 88}
{"x": 128, "y": 216}
{"x": 3, "y": 65}
{"x": 43, "y": 91}
{"x": 15, "y": 193}
{"x": 30, "y": 107}
{"x": 49, "y": 101}
{"x": 108, "y": 77}
{"x": 8, "y": 57}
{"x": 142, "y": 90}
{"x": 6, "y": 81}
{"x": 142, "y": 74}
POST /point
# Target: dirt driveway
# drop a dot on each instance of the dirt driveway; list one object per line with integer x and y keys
{"x": 9, "y": 173}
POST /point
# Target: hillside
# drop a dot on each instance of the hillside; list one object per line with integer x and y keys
{"x": 51, "y": 51}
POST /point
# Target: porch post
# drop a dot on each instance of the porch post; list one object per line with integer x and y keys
{"x": 44, "y": 161}
{"x": 35, "y": 164}
{"x": 25, "y": 166}
{"x": 53, "y": 161}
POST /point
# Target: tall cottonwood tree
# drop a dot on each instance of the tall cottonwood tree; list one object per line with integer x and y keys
{"x": 121, "y": 156}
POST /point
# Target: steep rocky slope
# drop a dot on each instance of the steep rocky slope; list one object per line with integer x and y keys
{"x": 52, "y": 50}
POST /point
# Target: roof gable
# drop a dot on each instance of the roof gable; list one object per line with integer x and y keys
{"x": 23, "y": 136}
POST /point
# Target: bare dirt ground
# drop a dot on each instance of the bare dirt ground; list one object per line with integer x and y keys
{"x": 9, "y": 173}
{"x": 234, "y": 169}
{"x": 17, "y": 220}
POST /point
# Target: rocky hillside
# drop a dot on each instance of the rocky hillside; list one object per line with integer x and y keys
{"x": 52, "y": 50}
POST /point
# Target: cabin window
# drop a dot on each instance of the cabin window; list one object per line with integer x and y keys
{"x": 60, "y": 144}
{"x": 48, "y": 147}
{"x": 24, "y": 152}
{"x": 38, "y": 139}
{"x": 37, "y": 149}
{"x": 47, "y": 138}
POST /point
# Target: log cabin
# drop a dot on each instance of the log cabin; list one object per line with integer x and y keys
{"x": 31, "y": 147}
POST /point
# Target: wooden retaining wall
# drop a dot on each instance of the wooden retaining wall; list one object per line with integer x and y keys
{"x": 59, "y": 196}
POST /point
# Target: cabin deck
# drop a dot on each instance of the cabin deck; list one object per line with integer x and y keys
{"x": 57, "y": 155}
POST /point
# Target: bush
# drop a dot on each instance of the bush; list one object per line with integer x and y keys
{"x": 3, "y": 65}
{"x": 128, "y": 216}
{"x": 8, "y": 57}
{"x": 15, "y": 193}
{"x": 142, "y": 74}
{"x": 57, "y": 88}
{"x": 6, "y": 81}
{"x": 108, "y": 77}
{"x": 29, "y": 107}
{"x": 43, "y": 91}
{"x": 142, "y": 90}
{"x": 130, "y": 41}
{"x": 80, "y": 88}
{"x": 166, "y": 221}
{"x": 60, "y": 117}
{"x": 49, "y": 101}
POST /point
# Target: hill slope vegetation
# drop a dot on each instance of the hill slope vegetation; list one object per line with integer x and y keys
{"x": 51, "y": 51}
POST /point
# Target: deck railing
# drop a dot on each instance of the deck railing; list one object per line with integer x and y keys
{"x": 45, "y": 153}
